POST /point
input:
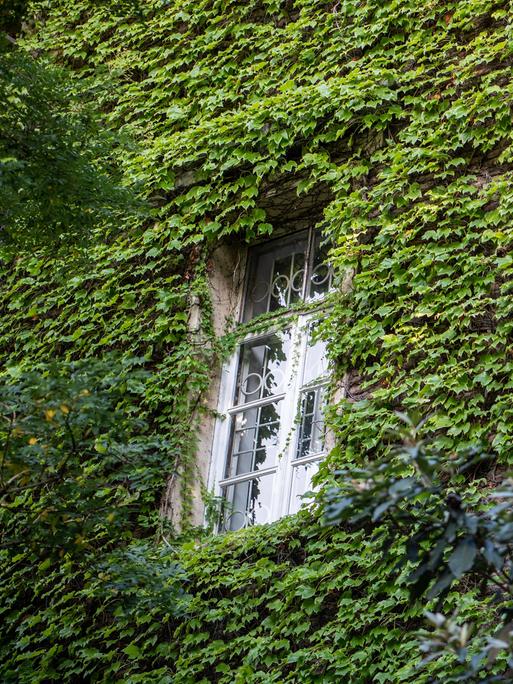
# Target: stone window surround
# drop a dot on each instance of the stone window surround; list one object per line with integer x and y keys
{"x": 227, "y": 277}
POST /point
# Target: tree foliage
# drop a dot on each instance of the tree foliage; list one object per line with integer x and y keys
{"x": 58, "y": 177}
{"x": 73, "y": 467}
{"x": 391, "y": 122}
{"x": 453, "y": 527}
{"x": 11, "y": 16}
{"x": 79, "y": 486}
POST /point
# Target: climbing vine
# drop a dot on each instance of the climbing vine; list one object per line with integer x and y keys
{"x": 390, "y": 124}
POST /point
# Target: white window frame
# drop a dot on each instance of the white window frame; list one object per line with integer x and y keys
{"x": 283, "y": 472}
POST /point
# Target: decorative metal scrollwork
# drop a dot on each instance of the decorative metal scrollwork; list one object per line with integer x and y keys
{"x": 321, "y": 275}
{"x": 269, "y": 381}
{"x": 282, "y": 288}
{"x": 296, "y": 283}
{"x": 259, "y": 291}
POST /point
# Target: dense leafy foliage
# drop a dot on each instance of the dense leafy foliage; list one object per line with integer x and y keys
{"x": 454, "y": 528}
{"x": 11, "y": 16}
{"x": 74, "y": 469}
{"x": 400, "y": 112}
{"x": 77, "y": 495}
{"x": 394, "y": 121}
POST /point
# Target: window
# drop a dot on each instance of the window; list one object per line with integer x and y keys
{"x": 269, "y": 445}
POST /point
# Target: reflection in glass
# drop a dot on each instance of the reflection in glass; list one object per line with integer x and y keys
{"x": 262, "y": 368}
{"x": 311, "y": 431}
{"x": 247, "y": 503}
{"x": 287, "y": 280}
{"x": 301, "y": 483}
{"x": 254, "y": 440}
{"x": 321, "y": 273}
{"x": 276, "y": 275}
{"x": 316, "y": 362}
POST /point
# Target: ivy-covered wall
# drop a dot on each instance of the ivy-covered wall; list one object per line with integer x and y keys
{"x": 399, "y": 113}
{"x": 396, "y": 116}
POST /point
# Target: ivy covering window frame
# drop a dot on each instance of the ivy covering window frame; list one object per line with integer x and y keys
{"x": 270, "y": 437}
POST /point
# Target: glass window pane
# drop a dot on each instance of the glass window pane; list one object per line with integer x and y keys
{"x": 311, "y": 429}
{"x": 247, "y": 503}
{"x": 254, "y": 443}
{"x": 276, "y": 275}
{"x": 320, "y": 279}
{"x": 301, "y": 483}
{"x": 262, "y": 368}
{"x": 280, "y": 273}
{"x": 316, "y": 361}
{"x": 287, "y": 281}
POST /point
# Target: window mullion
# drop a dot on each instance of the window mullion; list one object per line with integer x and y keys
{"x": 308, "y": 263}
{"x": 256, "y": 437}
{"x": 284, "y": 476}
{"x": 271, "y": 399}
{"x": 244, "y": 477}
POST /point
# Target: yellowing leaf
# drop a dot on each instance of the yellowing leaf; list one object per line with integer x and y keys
{"x": 100, "y": 447}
